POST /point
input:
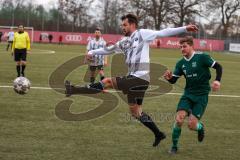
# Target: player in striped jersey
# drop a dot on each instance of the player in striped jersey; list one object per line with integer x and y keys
{"x": 10, "y": 37}
{"x": 135, "y": 47}
{"x": 98, "y": 61}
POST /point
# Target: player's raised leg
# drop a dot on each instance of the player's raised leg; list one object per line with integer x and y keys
{"x": 89, "y": 89}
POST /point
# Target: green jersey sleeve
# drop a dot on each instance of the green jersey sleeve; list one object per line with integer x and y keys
{"x": 178, "y": 72}
{"x": 207, "y": 60}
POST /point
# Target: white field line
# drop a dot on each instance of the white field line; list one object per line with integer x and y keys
{"x": 114, "y": 91}
{"x": 42, "y": 51}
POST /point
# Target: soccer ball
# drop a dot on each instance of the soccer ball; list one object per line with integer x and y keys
{"x": 21, "y": 85}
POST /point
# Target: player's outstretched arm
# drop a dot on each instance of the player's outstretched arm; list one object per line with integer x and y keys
{"x": 150, "y": 35}
{"x": 107, "y": 50}
{"x": 100, "y": 51}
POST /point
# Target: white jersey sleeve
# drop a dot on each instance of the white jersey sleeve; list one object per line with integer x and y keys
{"x": 10, "y": 36}
{"x": 149, "y": 35}
{"x": 100, "y": 51}
{"x": 89, "y": 45}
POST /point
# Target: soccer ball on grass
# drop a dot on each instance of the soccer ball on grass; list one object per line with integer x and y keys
{"x": 21, "y": 85}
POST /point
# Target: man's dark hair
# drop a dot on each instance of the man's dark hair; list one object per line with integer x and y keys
{"x": 20, "y": 25}
{"x": 97, "y": 29}
{"x": 187, "y": 39}
{"x": 131, "y": 18}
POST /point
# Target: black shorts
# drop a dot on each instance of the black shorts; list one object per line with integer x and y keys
{"x": 134, "y": 87}
{"x": 10, "y": 42}
{"x": 93, "y": 68}
{"x": 20, "y": 54}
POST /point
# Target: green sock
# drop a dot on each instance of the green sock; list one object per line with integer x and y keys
{"x": 176, "y": 132}
{"x": 199, "y": 126}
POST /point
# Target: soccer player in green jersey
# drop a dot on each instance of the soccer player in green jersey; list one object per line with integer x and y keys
{"x": 194, "y": 66}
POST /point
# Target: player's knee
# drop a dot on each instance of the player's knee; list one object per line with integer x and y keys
{"x": 101, "y": 72}
{"x": 192, "y": 125}
{"x": 192, "y": 122}
{"x": 180, "y": 117}
{"x": 107, "y": 81}
{"x": 180, "y": 120}
{"x": 135, "y": 111}
{"x": 23, "y": 62}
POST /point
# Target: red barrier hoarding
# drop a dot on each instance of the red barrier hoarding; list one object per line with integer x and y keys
{"x": 82, "y": 38}
{"x": 72, "y": 38}
{"x": 199, "y": 44}
{"x": 166, "y": 42}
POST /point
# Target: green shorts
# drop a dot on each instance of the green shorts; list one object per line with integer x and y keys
{"x": 194, "y": 105}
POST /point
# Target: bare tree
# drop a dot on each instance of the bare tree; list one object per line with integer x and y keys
{"x": 106, "y": 15}
{"x": 77, "y": 11}
{"x": 13, "y": 6}
{"x": 111, "y": 12}
{"x": 139, "y": 8}
{"x": 159, "y": 11}
{"x": 184, "y": 11}
{"x": 225, "y": 9}
{"x": 152, "y": 10}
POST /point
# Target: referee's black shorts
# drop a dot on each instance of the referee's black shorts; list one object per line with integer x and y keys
{"x": 20, "y": 54}
{"x": 133, "y": 87}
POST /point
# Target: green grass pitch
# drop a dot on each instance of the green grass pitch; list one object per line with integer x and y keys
{"x": 30, "y": 129}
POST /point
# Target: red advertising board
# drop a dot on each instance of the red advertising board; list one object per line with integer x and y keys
{"x": 82, "y": 38}
{"x": 72, "y": 38}
{"x": 166, "y": 42}
{"x": 199, "y": 44}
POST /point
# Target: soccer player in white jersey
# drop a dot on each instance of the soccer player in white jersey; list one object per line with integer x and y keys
{"x": 135, "y": 47}
{"x": 98, "y": 61}
{"x": 10, "y": 37}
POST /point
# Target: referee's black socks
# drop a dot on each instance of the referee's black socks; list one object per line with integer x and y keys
{"x": 18, "y": 68}
{"x": 23, "y": 68}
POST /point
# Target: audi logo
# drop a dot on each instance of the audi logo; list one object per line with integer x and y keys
{"x": 74, "y": 38}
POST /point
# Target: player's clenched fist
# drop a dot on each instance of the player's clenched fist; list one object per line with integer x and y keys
{"x": 167, "y": 75}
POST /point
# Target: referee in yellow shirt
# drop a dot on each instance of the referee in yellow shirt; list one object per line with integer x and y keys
{"x": 20, "y": 48}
